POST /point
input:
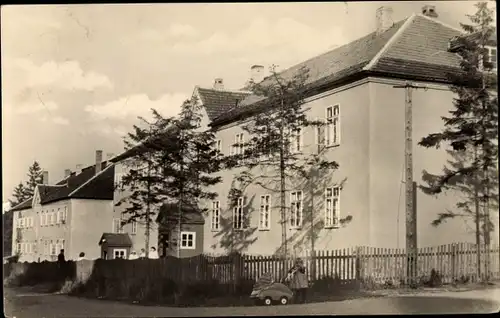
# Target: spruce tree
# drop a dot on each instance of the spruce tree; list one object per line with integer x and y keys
{"x": 20, "y": 195}
{"x": 471, "y": 129}
{"x": 35, "y": 176}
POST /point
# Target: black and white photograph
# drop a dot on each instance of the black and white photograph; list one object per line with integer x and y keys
{"x": 250, "y": 159}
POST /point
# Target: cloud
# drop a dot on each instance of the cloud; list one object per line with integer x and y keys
{"x": 34, "y": 107}
{"x": 262, "y": 34}
{"x": 107, "y": 130}
{"x": 137, "y": 105}
{"x": 175, "y": 30}
{"x": 179, "y": 30}
{"x": 67, "y": 75}
{"x": 24, "y": 82}
{"x": 58, "y": 120}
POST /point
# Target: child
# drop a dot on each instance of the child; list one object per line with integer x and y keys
{"x": 298, "y": 280}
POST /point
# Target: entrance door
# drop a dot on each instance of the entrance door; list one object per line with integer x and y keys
{"x": 120, "y": 253}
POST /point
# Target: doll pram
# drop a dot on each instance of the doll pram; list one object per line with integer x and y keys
{"x": 268, "y": 291}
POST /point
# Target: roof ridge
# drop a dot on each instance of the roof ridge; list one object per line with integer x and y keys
{"x": 390, "y": 42}
{"x": 225, "y": 90}
{"x": 440, "y": 22}
{"x": 88, "y": 181}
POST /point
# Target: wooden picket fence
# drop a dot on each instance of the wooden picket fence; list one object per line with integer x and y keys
{"x": 453, "y": 262}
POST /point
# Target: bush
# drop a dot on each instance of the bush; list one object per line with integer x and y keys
{"x": 436, "y": 279}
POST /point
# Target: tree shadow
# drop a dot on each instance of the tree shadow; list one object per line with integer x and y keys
{"x": 231, "y": 239}
{"x": 313, "y": 223}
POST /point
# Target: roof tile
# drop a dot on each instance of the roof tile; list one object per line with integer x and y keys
{"x": 217, "y": 102}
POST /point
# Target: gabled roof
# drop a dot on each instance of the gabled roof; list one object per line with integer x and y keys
{"x": 84, "y": 185}
{"x": 116, "y": 239}
{"x": 216, "y": 102}
{"x": 420, "y": 50}
{"x": 416, "y": 47}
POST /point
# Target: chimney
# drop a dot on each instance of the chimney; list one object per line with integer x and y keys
{"x": 79, "y": 168}
{"x": 67, "y": 173}
{"x": 98, "y": 161}
{"x": 384, "y": 19}
{"x": 257, "y": 73}
{"x": 219, "y": 84}
{"x": 429, "y": 11}
{"x": 45, "y": 177}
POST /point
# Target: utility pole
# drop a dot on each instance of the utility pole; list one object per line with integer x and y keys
{"x": 411, "y": 215}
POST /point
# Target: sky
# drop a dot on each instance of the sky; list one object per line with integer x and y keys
{"x": 76, "y": 77}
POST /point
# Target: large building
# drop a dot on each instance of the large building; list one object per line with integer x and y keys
{"x": 353, "y": 88}
{"x": 71, "y": 214}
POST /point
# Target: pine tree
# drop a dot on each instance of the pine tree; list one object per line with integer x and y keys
{"x": 186, "y": 160}
{"x": 471, "y": 130}
{"x": 140, "y": 179}
{"x": 35, "y": 176}
{"x": 173, "y": 163}
{"x": 273, "y": 158}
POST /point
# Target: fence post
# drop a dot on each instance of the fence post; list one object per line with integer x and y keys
{"x": 453, "y": 262}
{"x": 358, "y": 264}
{"x": 313, "y": 265}
{"x": 237, "y": 261}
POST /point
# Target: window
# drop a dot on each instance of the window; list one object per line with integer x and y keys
{"x": 238, "y": 216}
{"x": 53, "y": 248}
{"x": 117, "y": 226}
{"x": 59, "y": 213}
{"x": 238, "y": 147}
{"x": 265, "y": 144}
{"x": 296, "y": 141}
{"x": 64, "y": 214}
{"x": 119, "y": 180}
{"x": 218, "y": 145}
{"x": 188, "y": 240}
{"x": 332, "y": 196}
{"x": 21, "y": 223}
{"x": 265, "y": 210}
{"x": 332, "y": 126}
{"x": 52, "y": 218}
{"x": 119, "y": 253}
{"x": 492, "y": 57}
{"x": 296, "y": 209}
{"x": 215, "y": 215}
{"x": 134, "y": 227}
{"x": 32, "y": 221}
{"x": 18, "y": 247}
{"x": 46, "y": 248}
{"x": 59, "y": 245}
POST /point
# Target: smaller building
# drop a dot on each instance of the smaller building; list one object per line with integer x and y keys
{"x": 191, "y": 236}
{"x": 71, "y": 214}
{"x": 115, "y": 245}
